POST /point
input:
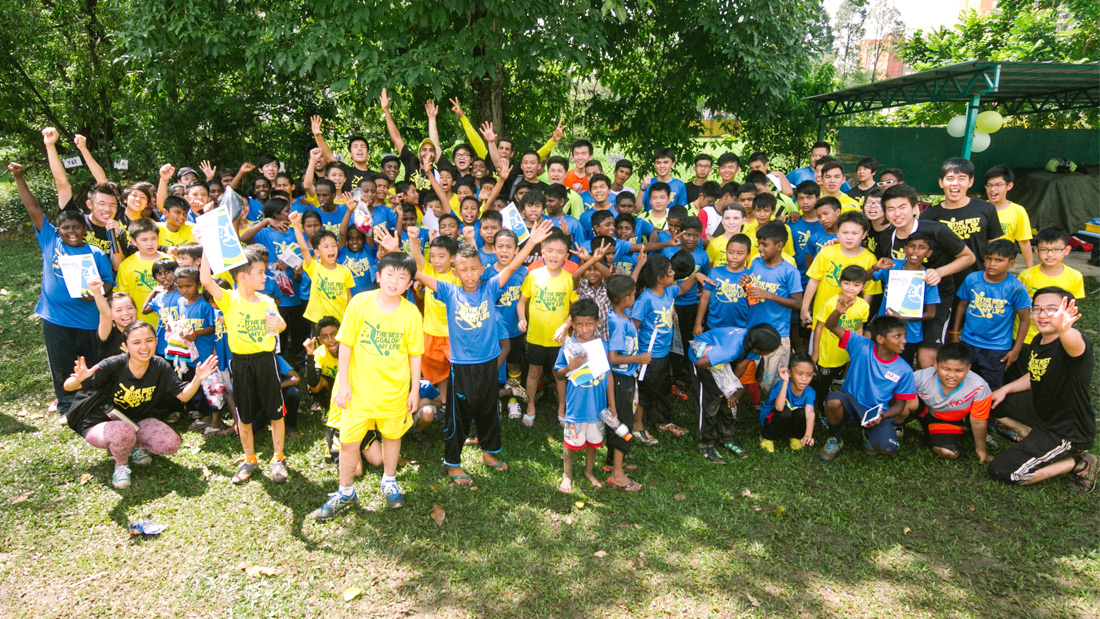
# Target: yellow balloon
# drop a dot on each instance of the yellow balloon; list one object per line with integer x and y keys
{"x": 989, "y": 121}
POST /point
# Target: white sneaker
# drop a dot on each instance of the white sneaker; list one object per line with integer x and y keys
{"x": 514, "y": 410}
{"x": 121, "y": 477}
{"x": 139, "y": 456}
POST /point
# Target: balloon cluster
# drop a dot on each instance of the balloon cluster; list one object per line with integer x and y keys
{"x": 987, "y": 122}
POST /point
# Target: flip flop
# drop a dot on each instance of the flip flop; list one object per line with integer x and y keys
{"x": 627, "y": 468}
{"x": 672, "y": 429}
{"x": 633, "y": 486}
{"x": 500, "y": 466}
{"x": 528, "y": 421}
{"x": 458, "y": 479}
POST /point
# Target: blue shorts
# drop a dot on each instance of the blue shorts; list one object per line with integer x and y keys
{"x": 883, "y": 436}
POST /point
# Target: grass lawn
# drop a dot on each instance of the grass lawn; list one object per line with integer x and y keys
{"x": 772, "y": 535}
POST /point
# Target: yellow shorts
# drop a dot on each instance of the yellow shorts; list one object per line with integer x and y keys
{"x": 354, "y": 425}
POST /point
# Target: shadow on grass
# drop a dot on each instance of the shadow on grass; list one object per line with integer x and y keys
{"x": 152, "y": 482}
{"x": 10, "y": 425}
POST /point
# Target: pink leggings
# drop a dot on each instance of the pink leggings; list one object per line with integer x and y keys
{"x": 119, "y": 438}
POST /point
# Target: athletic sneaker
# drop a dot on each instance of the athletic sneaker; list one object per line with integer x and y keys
{"x": 768, "y": 446}
{"x": 139, "y": 456}
{"x": 829, "y": 452}
{"x": 796, "y": 444}
{"x": 121, "y": 477}
{"x": 990, "y": 442}
{"x": 736, "y": 449}
{"x": 868, "y": 448}
{"x": 336, "y": 502}
{"x": 277, "y": 470}
{"x": 645, "y": 438}
{"x": 711, "y": 454}
{"x": 1087, "y": 481}
{"x": 514, "y": 410}
{"x": 900, "y": 429}
{"x": 517, "y": 390}
{"x": 394, "y": 496}
{"x": 244, "y": 471}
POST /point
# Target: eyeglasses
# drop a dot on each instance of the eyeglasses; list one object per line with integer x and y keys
{"x": 1049, "y": 310}
{"x": 887, "y": 183}
{"x": 996, "y": 185}
{"x": 1051, "y": 250}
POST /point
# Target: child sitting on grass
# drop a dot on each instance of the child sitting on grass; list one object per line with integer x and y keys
{"x": 788, "y": 412}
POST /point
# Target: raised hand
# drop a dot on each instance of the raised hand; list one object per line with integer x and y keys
{"x": 468, "y": 234}
{"x": 206, "y": 368}
{"x": 843, "y": 304}
{"x": 884, "y": 264}
{"x": 559, "y": 131}
{"x": 80, "y": 141}
{"x": 581, "y": 253}
{"x": 385, "y": 240}
{"x": 456, "y": 107}
{"x": 1067, "y": 314}
{"x": 167, "y": 171}
{"x": 16, "y": 169}
{"x": 314, "y": 155}
{"x": 784, "y": 374}
{"x": 348, "y": 198}
{"x": 295, "y": 218}
{"x": 309, "y": 346}
{"x": 81, "y": 371}
{"x": 487, "y": 132}
{"x": 207, "y": 169}
{"x": 430, "y": 108}
{"x": 315, "y": 124}
{"x": 49, "y": 136}
{"x": 247, "y": 167}
{"x": 384, "y": 100}
{"x": 95, "y": 284}
{"x": 542, "y": 231}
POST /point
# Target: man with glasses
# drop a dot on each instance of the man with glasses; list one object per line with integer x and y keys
{"x": 1015, "y": 224}
{"x": 704, "y": 165}
{"x": 1056, "y": 420}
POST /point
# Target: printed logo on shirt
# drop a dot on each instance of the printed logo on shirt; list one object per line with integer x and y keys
{"x": 850, "y": 323}
{"x": 802, "y": 237}
{"x": 772, "y": 287}
{"x": 145, "y": 280}
{"x": 282, "y": 247}
{"x": 835, "y": 268}
{"x": 550, "y": 301}
{"x": 132, "y": 397}
{"x": 333, "y": 228}
{"x": 422, "y": 183}
{"x": 890, "y": 376}
{"x": 91, "y": 239}
{"x": 663, "y": 320}
{"x": 251, "y": 329}
{"x": 333, "y": 289}
{"x": 982, "y": 306}
{"x": 508, "y": 297}
{"x": 219, "y": 327}
{"x": 1037, "y": 367}
{"x": 729, "y": 291}
{"x": 358, "y": 266}
{"x": 470, "y": 317}
{"x": 193, "y": 324}
{"x": 383, "y": 342}
{"x": 963, "y": 228}
{"x": 169, "y": 314}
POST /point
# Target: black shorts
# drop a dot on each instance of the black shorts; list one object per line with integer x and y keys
{"x": 256, "y": 387}
{"x": 1039, "y": 448}
{"x": 625, "y": 391}
{"x": 987, "y": 364}
{"x": 934, "y": 331}
{"x": 517, "y": 347}
{"x": 943, "y": 433}
{"x": 542, "y": 356}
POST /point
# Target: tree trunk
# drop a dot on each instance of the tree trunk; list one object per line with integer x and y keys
{"x": 490, "y": 100}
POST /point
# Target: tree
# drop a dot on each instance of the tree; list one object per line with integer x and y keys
{"x": 849, "y": 29}
{"x": 884, "y": 21}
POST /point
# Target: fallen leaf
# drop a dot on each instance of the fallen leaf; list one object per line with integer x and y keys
{"x": 693, "y": 564}
{"x": 779, "y": 511}
{"x": 206, "y": 474}
{"x": 971, "y": 507}
{"x": 260, "y": 570}
{"x": 600, "y": 554}
{"x": 21, "y": 498}
{"x": 85, "y": 478}
{"x": 752, "y": 600}
{"x": 637, "y": 526}
{"x": 243, "y": 565}
{"x": 351, "y": 593}
{"x": 757, "y": 508}
{"x": 438, "y": 514}
{"x": 623, "y": 606}
{"x": 745, "y": 493}
{"x": 906, "y": 531}
{"x": 678, "y": 497}
{"x": 579, "y": 504}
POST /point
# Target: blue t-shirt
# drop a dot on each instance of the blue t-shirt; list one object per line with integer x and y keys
{"x": 166, "y": 306}
{"x": 276, "y": 243}
{"x": 221, "y": 341}
{"x": 55, "y": 306}
{"x": 702, "y": 265}
{"x": 793, "y": 401}
{"x": 283, "y": 367}
{"x": 794, "y": 177}
{"x": 991, "y": 310}
{"x": 361, "y": 264}
{"x": 914, "y": 329}
{"x": 383, "y": 216}
{"x": 331, "y": 221}
{"x": 802, "y": 231}
{"x": 576, "y": 232}
{"x": 406, "y": 244}
{"x": 300, "y": 205}
{"x": 507, "y": 299}
{"x": 586, "y": 221}
{"x": 199, "y": 315}
{"x": 471, "y": 321}
{"x": 488, "y": 259}
{"x": 871, "y": 380}
{"x": 654, "y": 315}
{"x": 255, "y": 210}
{"x": 622, "y": 250}
{"x": 585, "y": 394}
{"x": 814, "y": 245}
{"x": 728, "y": 306}
{"x": 623, "y": 339}
{"x": 783, "y": 280}
{"x": 727, "y": 346}
{"x": 677, "y": 193}
{"x": 428, "y": 390}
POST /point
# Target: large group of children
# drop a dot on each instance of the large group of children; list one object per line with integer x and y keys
{"x": 404, "y": 297}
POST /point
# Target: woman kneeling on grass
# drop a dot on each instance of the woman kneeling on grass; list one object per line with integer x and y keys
{"x": 120, "y": 396}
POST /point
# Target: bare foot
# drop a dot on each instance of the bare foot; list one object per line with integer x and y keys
{"x": 592, "y": 479}
{"x": 566, "y": 485}
{"x": 494, "y": 463}
{"x": 293, "y": 434}
{"x": 471, "y": 441}
{"x": 459, "y": 476}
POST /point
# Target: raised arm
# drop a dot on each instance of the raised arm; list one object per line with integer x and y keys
{"x": 468, "y": 128}
{"x": 60, "y": 177}
{"x": 504, "y": 173}
{"x": 556, "y": 137}
{"x": 539, "y": 234}
{"x": 103, "y": 329}
{"x": 428, "y": 282}
{"x": 319, "y": 138}
{"x": 391, "y": 127}
{"x": 308, "y": 184}
{"x": 202, "y": 371}
{"x": 832, "y": 323}
{"x": 166, "y": 173}
{"x": 295, "y": 224}
{"x": 245, "y": 169}
{"x": 490, "y": 136}
{"x": 34, "y": 209}
{"x": 206, "y": 278}
{"x": 93, "y": 166}
{"x": 432, "y": 110}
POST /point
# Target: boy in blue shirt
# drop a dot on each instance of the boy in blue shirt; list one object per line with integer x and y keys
{"x": 474, "y": 350}
{"x": 625, "y": 359}
{"x": 918, "y": 247}
{"x": 828, "y": 215}
{"x": 788, "y": 413}
{"x": 586, "y": 394}
{"x": 723, "y": 304}
{"x": 727, "y": 351}
{"x": 512, "y": 342}
{"x": 774, "y": 289}
{"x": 990, "y": 301}
{"x": 687, "y": 259}
{"x": 878, "y": 392}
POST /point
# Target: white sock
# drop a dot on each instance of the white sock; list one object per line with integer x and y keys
{"x": 347, "y": 490}
{"x": 389, "y": 479}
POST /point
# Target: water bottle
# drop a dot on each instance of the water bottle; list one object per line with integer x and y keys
{"x": 271, "y": 312}
{"x": 611, "y": 421}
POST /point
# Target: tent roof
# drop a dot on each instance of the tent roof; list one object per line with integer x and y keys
{"x": 1016, "y": 87}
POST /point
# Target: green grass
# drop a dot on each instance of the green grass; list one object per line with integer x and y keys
{"x": 909, "y": 536}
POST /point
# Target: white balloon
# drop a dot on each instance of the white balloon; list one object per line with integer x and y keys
{"x": 956, "y": 127}
{"x": 981, "y": 142}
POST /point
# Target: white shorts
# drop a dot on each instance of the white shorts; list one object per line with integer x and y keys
{"x": 580, "y": 435}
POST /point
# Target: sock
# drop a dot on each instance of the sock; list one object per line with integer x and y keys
{"x": 347, "y": 490}
{"x": 514, "y": 376}
{"x": 278, "y": 456}
{"x": 252, "y": 460}
{"x": 389, "y": 479}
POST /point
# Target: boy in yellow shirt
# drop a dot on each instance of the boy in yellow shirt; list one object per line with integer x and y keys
{"x": 437, "y": 345}
{"x": 763, "y": 211}
{"x": 330, "y": 282}
{"x": 135, "y": 274}
{"x": 824, "y": 273}
{"x": 831, "y": 360}
{"x": 252, "y": 325}
{"x": 1015, "y": 224}
{"x": 1052, "y": 245}
{"x": 381, "y": 344}
{"x": 543, "y": 310}
{"x": 174, "y": 230}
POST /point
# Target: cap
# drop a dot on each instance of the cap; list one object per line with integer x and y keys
{"x": 186, "y": 171}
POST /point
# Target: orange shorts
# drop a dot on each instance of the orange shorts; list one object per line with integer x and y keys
{"x": 749, "y": 377}
{"x": 435, "y": 365}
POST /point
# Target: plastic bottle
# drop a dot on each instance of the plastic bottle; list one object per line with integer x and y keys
{"x": 612, "y": 422}
{"x": 271, "y": 312}
{"x": 751, "y": 300}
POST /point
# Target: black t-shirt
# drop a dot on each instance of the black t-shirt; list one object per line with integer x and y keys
{"x": 948, "y": 245}
{"x": 112, "y": 345}
{"x": 976, "y": 224}
{"x": 1060, "y": 390}
{"x": 692, "y": 191}
{"x": 856, "y": 193}
{"x": 413, "y": 173}
{"x": 114, "y": 386}
{"x": 353, "y": 176}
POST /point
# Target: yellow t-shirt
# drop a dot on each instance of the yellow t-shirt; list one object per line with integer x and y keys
{"x": 135, "y": 278}
{"x": 550, "y": 298}
{"x": 381, "y": 346}
{"x": 435, "y": 312}
{"x": 749, "y": 230}
{"x": 831, "y": 355}
{"x": 326, "y": 364}
{"x": 848, "y": 204}
{"x": 826, "y": 269}
{"x": 1015, "y": 224}
{"x": 1033, "y": 279}
{"x": 246, "y": 322}
{"x": 716, "y": 250}
{"x": 329, "y": 291}
{"x": 167, "y": 238}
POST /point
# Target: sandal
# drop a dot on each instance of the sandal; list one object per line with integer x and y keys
{"x": 633, "y": 486}
{"x": 1009, "y": 434}
{"x": 499, "y": 467}
{"x": 528, "y": 421}
{"x": 196, "y": 426}
{"x": 627, "y": 468}
{"x": 459, "y": 479}
{"x": 672, "y": 429}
